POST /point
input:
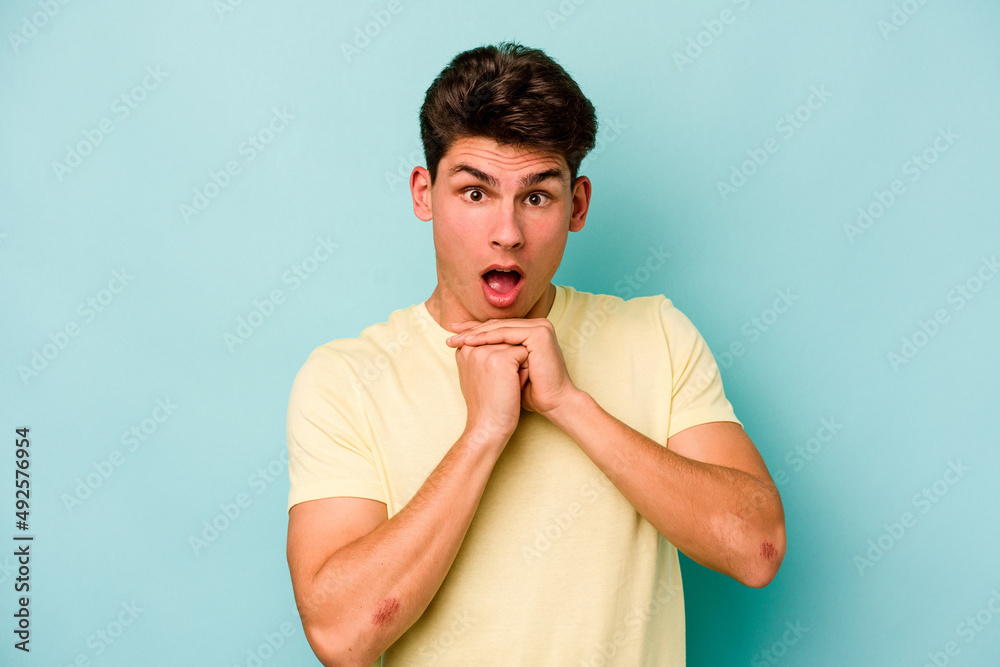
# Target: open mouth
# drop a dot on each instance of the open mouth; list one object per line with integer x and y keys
{"x": 501, "y": 286}
{"x": 502, "y": 282}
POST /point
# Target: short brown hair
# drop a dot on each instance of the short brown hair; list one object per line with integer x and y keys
{"x": 512, "y": 94}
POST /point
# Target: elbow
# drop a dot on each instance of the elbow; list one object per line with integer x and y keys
{"x": 333, "y": 648}
{"x": 760, "y": 577}
{"x": 323, "y": 645}
{"x": 766, "y": 558}
{"x": 766, "y": 551}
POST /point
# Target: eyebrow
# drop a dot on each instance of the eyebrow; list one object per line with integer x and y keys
{"x": 526, "y": 182}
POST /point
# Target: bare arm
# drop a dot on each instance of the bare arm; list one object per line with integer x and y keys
{"x": 360, "y": 579}
{"x": 708, "y": 491}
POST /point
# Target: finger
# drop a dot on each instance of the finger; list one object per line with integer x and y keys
{"x": 511, "y": 335}
{"x": 489, "y": 325}
{"x": 476, "y": 326}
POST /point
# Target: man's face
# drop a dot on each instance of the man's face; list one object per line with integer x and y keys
{"x": 495, "y": 205}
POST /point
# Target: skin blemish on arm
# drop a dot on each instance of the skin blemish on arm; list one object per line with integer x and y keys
{"x": 386, "y": 610}
{"x": 768, "y": 551}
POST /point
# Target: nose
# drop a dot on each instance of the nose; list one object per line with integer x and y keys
{"x": 506, "y": 230}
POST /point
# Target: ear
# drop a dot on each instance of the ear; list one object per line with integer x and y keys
{"x": 420, "y": 189}
{"x": 581, "y": 203}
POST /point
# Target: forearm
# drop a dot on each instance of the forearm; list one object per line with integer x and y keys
{"x": 722, "y": 518}
{"x": 370, "y": 591}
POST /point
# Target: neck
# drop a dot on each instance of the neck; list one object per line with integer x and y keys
{"x": 445, "y": 309}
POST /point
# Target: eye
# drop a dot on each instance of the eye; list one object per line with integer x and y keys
{"x": 537, "y": 198}
{"x": 475, "y": 194}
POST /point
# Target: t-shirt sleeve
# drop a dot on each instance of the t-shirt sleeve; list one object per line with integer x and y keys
{"x": 697, "y": 396}
{"x": 327, "y": 454}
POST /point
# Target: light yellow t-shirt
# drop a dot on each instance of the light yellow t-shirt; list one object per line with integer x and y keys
{"x": 557, "y": 568}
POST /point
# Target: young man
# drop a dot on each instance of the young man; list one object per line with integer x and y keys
{"x": 515, "y": 494}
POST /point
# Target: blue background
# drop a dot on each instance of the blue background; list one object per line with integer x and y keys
{"x": 685, "y": 94}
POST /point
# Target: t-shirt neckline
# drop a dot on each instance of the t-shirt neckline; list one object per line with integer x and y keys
{"x": 439, "y": 334}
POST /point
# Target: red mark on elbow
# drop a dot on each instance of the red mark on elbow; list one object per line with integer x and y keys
{"x": 768, "y": 551}
{"x": 386, "y": 610}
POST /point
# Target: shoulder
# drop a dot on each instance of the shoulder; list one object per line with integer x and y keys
{"x": 656, "y": 313}
{"x": 588, "y": 303}
{"x": 607, "y": 320}
{"x": 675, "y": 323}
{"x": 346, "y": 355}
{"x": 659, "y": 304}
